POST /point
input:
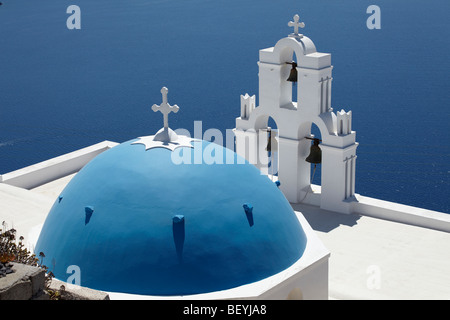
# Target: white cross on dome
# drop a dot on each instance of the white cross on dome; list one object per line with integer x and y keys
{"x": 165, "y": 108}
{"x": 165, "y": 137}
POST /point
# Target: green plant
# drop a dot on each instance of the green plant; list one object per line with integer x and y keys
{"x": 13, "y": 251}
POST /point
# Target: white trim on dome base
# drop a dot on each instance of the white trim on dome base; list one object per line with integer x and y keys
{"x": 165, "y": 139}
{"x": 308, "y": 276}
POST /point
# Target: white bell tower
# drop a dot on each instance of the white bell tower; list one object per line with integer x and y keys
{"x": 294, "y": 117}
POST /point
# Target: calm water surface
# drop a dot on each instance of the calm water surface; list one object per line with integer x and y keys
{"x": 61, "y": 90}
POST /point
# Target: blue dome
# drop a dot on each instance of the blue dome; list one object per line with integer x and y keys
{"x": 134, "y": 221}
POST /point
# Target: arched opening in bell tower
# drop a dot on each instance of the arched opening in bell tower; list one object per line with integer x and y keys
{"x": 272, "y": 149}
{"x": 267, "y": 148}
{"x": 289, "y": 81}
{"x": 293, "y": 76}
{"x": 310, "y": 162}
{"x": 289, "y": 52}
{"x": 316, "y": 172}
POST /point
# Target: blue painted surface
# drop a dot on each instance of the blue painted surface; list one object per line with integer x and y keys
{"x": 164, "y": 229}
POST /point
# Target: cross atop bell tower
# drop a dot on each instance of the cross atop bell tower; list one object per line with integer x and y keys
{"x": 296, "y": 24}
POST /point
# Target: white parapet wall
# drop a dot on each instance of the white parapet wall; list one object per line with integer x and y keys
{"x": 386, "y": 210}
{"x": 401, "y": 213}
{"x": 55, "y": 168}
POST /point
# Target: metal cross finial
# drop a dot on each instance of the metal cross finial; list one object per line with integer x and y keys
{"x": 165, "y": 108}
{"x": 296, "y": 24}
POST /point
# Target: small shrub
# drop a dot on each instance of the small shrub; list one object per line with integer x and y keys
{"x": 12, "y": 251}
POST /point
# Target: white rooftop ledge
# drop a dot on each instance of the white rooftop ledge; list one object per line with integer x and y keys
{"x": 401, "y": 213}
{"x": 386, "y": 210}
{"x": 55, "y": 168}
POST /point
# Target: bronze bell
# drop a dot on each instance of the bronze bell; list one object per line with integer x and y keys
{"x": 315, "y": 153}
{"x": 272, "y": 144}
{"x": 293, "y": 74}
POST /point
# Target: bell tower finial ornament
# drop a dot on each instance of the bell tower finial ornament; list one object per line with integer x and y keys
{"x": 296, "y": 24}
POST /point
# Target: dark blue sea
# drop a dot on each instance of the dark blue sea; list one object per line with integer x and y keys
{"x": 61, "y": 89}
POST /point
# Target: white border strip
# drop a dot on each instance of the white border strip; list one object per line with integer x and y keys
{"x": 401, "y": 213}
{"x": 55, "y": 168}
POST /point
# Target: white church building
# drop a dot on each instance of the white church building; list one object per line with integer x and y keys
{"x": 237, "y": 228}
